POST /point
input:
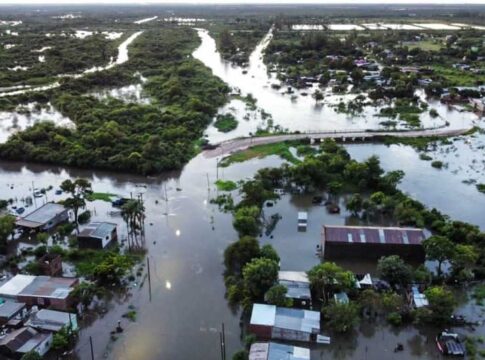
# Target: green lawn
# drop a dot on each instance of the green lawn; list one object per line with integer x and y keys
{"x": 457, "y": 77}
{"x": 281, "y": 149}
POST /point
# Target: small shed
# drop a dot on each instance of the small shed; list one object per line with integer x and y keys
{"x": 418, "y": 299}
{"x": 97, "y": 235}
{"x": 45, "y": 217}
{"x": 271, "y": 322}
{"x": 275, "y": 351}
{"x": 298, "y": 286}
{"x": 51, "y": 320}
{"x": 51, "y": 264}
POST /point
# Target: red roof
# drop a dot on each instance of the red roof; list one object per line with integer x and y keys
{"x": 372, "y": 235}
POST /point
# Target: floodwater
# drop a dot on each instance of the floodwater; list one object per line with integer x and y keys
{"x": 186, "y": 236}
{"x": 120, "y": 59}
{"x": 28, "y": 115}
{"x": 299, "y": 111}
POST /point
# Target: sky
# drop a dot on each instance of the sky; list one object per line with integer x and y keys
{"x": 140, "y": 2}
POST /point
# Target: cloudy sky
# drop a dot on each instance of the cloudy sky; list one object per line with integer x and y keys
{"x": 242, "y": 1}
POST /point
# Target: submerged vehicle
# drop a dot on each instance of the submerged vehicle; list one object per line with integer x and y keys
{"x": 449, "y": 343}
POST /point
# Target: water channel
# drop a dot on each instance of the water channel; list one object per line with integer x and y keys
{"x": 186, "y": 236}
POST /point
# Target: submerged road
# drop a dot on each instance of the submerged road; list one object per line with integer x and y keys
{"x": 235, "y": 145}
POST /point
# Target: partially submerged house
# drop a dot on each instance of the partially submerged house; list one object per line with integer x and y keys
{"x": 297, "y": 285}
{"x": 97, "y": 235}
{"x": 271, "y": 322}
{"x": 19, "y": 342}
{"x": 12, "y": 313}
{"x": 417, "y": 298}
{"x": 371, "y": 242}
{"x": 44, "y": 218}
{"x": 51, "y": 320}
{"x": 275, "y": 351}
{"x": 43, "y": 291}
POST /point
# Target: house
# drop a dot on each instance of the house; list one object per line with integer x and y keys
{"x": 271, "y": 322}
{"x": 424, "y": 82}
{"x": 51, "y": 320}
{"x": 44, "y": 218}
{"x": 43, "y": 291}
{"x": 341, "y": 298}
{"x": 298, "y": 286}
{"x": 97, "y": 235}
{"x": 417, "y": 299}
{"x": 275, "y": 351}
{"x": 51, "y": 264}
{"x": 371, "y": 242}
{"x": 12, "y": 313}
{"x": 19, "y": 342}
{"x": 478, "y": 104}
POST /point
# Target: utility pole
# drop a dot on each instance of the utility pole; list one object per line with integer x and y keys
{"x": 149, "y": 280}
{"x": 92, "y": 351}
{"x": 223, "y": 342}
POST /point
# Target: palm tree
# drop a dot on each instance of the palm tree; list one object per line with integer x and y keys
{"x": 133, "y": 212}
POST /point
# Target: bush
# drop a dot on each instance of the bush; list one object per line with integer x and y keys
{"x": 84, "y": 217}
{"x": 437, "y": 164}
{"x": 394, "y": 318}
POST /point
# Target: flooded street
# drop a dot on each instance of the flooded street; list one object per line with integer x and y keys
{"x": 186, "y": 235}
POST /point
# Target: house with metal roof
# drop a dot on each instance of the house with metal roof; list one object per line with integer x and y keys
{"x": 297, "y": 285}
{"x": 271, "y": 322}
{"x": 44, "y": 291}
{"x": 417, "y": 298}
{"x": 51, "y": 320}
{"x": 12, "y": 312}
{"x": 19, "y": 342}
{"x": 45, "y": 217}
{"x": 275, "y": 351}
{"x": 97, "y": 235}
{"x": 371, "y": 242}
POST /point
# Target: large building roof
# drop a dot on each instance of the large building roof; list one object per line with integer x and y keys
{"x": 38, "y": 286}
{"x": 41, "y": 216}
{"x": 372, "y": 235}
{"x": 275, "y": 351}
{"x": 285, "y": 318}
{"x": 23, "y": 340}
{"x": 98, "y": 230}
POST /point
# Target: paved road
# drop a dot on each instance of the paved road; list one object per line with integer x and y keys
{"x": 231, "y": 146}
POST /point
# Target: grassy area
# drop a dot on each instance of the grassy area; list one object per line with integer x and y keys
{"x": 455, "y": 77}
{"x": 226, "y": 185}
{"x": 281, "y": 149}
{"x": 100, "y": 196}
{"x": 225, "y": 122}
{"x": 427, "y": 45}
{"x": 481, "y": 188}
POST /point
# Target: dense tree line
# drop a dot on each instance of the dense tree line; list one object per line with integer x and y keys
{"x": 131, "y": 137}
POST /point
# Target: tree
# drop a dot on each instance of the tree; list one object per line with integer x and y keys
{"x": 239, "y": 253}
{"x": 276, "y": 295}
{"x": 259, "y": 275}
{"x": 268, "y": 252}
{"x": 341, "y": 317}
{"x": 112, "y": 268}
{"x": 329, "y": 275}
{"x": 31, "y": 355}
{"x": 7, "y": 226}
{"x": 240, "y": 355}
{"x": 246, "y": 220}
{"x": 78, "y": 189}
{"x": 370, "y": 301}
{"x": 354, "y": 204}
{"x": 441, "y": 304}
{"x": 317, "y": 95}
{"x": 438, "y": 248}
{"x": 463, "y": 260}
{"x": 133, "y": 212}
{"x": 60, "y": 340}
{"x": 395, "y": 270}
